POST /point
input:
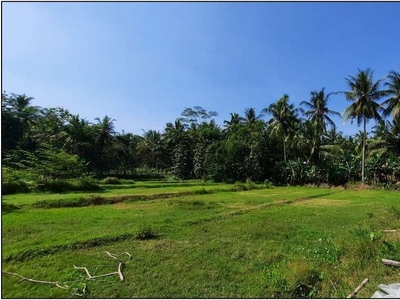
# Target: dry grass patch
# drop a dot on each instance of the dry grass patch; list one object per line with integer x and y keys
{"x": 323, "y": 202}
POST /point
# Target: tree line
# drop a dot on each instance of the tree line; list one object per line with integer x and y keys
{"x": 283, "y": 144}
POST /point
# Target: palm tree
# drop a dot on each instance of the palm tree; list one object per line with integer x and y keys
{"x": 364, "y": 94}
{"x": 21, "y": 105}
{"x": 250, "y": 116}
{"x": 393, "y": 103}
{"x": 319, "y": 116}
{"x": 283, "y": 119}
{"x": 76, "y": 134}
{"x": 105, "y": 135}
{"x": 386, "y": 137}
{"x": 150, "y": 144}
{"x": 105, "y": 130}
{"x": 173, "y": 132}
{"x": 235, "y": 120}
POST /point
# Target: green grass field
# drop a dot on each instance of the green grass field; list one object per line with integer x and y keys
{"x": 208, "y": 241}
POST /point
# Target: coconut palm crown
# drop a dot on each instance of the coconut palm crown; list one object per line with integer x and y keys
{"x": 364, "y": 94}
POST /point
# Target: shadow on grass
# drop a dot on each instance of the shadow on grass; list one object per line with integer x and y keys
{"x": 315, "y": 196}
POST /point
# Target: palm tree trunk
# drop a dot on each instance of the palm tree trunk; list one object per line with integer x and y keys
{"x": 284, "y": 148}
{"x": 363, "y": 153}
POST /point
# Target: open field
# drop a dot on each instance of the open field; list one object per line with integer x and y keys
{"x": 204, "y": 240}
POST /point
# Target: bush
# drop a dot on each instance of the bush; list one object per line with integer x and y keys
{"x": 52, "y": 185}
{"x": 14, "y": 186}
{"x": 145, "y": 233}
{"x": 111, "y": 180}
{"x": 87, "y": 184}
{"x": 239, "y": 186}
{"x": 268, "y": 184}
{"x": 56, "y": 185}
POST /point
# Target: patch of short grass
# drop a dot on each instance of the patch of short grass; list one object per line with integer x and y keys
{"x": 268, "y": 243}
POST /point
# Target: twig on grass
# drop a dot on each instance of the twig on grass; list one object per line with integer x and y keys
{"x": 391, "y": 262}
{"x": 111, "y": 255}
{"x": 357, "y": 289}
{"x": 89, "y": 276}
{"x": 57, "y": 284}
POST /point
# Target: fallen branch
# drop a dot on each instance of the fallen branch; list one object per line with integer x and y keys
{"x": 391, "y": 262}
{"x": 111, "y": 255}
{"x": 389, "y": 230}
{"x": 119, "y": 272}
{"x": 89, "y": 276}
{"x": 130, "y": 256}
{"x": 37, "y": 281}
{"x": 355, "y": 292}
{"x": 86, "y": 270}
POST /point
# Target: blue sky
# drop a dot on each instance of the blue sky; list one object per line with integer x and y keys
{"x": 143, "y": 63}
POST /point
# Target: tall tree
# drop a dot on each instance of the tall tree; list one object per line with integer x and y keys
{"x": 318, "y": 112}
{"x": 283, "y": 120}
{"x": 105, "y": 135}
{"x": 364, "y": 94}
{"x": 392, "y": 105}
{"x": 250, "y": 116}
{"x": 235, "y": 120}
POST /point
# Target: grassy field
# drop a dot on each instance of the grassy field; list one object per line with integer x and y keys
{"x": 191, "y": 239}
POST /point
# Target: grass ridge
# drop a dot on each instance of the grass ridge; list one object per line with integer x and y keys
{"x": 95, "y": 242}
{"x": 102, "y": 200}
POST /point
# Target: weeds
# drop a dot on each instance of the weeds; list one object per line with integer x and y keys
{"x": 111, "y": 180}
{"x": 367, "y": 242}
{"x": 145, "y": 232}
{"x": 323, "y": 252}
{"x": 56, "y": 185}
{"x": 14, "y": 186}
{"x": 395, "y": 210}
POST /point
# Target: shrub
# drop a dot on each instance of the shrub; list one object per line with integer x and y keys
{"x": 14, "y": 186}
{"x": 145, "y": 232}
{"x": 239, "y": 186}
{"x": 52, "y": 185}
{"x": 111, "y": 180}
{"x": 250, "y": 184}
{"x": 308, "y": 284}
{"x": 56, "y": 185}
{"x": 268, "y": 184}
{"x": 87, "y": 184}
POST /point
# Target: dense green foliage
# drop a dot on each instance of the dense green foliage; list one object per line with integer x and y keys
{"x": 202, "y": 240}
{"x": 284, "y": 145}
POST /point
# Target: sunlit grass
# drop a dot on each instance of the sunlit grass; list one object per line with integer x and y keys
{"x": 283, "y": 242}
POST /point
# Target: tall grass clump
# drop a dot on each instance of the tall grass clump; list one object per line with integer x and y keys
{"x": 56, "y": 185}
{"x": 367, "y": 243}
{"x": 145, "y": 232}
{"x": 111, "y": 180}
{"x": 395, "y": 210}
{"x": 248, "y": 185}
{"x": 14, "y": 181}
{"x": 14, "y": 186}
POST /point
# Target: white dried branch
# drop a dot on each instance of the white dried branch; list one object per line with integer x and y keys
{"x": 391, "y": 262}
{"x": 119, "y": 272}
{"x": 57, "y": 284}
{"x": 86, "y": 270}
{"x": 112, "y": 255}
{"x": 357, "y": 289}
